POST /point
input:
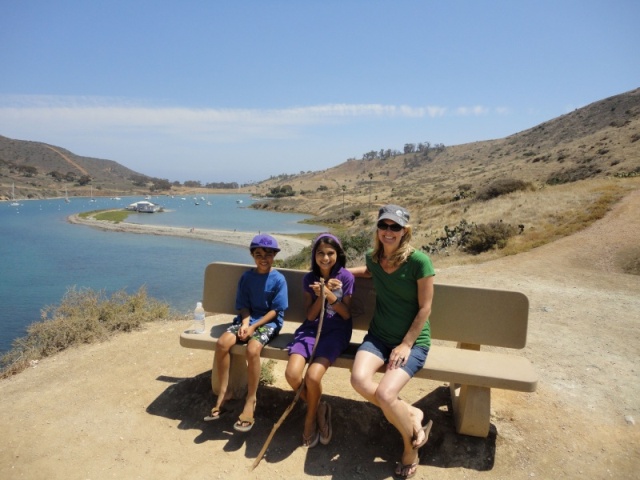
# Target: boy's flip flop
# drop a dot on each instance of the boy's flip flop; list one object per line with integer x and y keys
{"x": 242, "y": 419}
{"x": 216, "y": 413}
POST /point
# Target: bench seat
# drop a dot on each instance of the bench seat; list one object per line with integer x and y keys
{"x": 471, "y": 317}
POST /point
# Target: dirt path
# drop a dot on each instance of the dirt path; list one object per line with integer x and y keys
{"x": 132, "y": 407}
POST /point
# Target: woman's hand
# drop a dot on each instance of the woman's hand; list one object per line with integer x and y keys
{"x": 399, "y": 356}
{"x": 334, "y": 284}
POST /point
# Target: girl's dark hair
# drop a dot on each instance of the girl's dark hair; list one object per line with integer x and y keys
{"x": 336, "y": 245}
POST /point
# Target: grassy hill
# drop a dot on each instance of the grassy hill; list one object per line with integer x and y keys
{"x": 28, "y": 165}
{"x": 545, "y": 182}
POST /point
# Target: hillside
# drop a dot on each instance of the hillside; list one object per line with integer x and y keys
{"x": 570, "y": 170}
{"x": 543, "y": 183}
{"x": 29, "y": 164}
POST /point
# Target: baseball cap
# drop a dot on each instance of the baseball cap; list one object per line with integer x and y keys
{"x": 395, "y": 213}
{"x": 264, "y": 241}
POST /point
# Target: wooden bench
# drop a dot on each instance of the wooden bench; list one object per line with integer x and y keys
{"x": 470, "y": 317}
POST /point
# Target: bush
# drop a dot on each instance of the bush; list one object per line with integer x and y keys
{"x": 267, "y": 377}
{"x": 83, "y": 316}
{"x": 574, "y": 174}
{"x": 502, "y": 187}
{"x": 355, "y": 247}
{"x": 473, "y": 238}
{"x": 485, "y": 237}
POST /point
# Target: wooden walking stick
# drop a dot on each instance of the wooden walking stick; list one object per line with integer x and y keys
{"x": 299, "y": 391}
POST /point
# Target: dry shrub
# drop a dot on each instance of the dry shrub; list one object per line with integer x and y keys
{"x": 487, "y": 236}
{"x": 628, "y": 259}
{"x": 580, "y": 172}
{"x": 83, "y": 316}
{"x": 501, "y": 187}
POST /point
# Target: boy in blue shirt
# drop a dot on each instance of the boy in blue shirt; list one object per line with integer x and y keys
{"x": 261, "y": 300}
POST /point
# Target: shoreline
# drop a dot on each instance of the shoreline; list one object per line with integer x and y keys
{"x": 289, "y": 245}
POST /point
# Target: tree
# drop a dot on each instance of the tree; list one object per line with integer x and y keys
{"x": 84, "y": 180}
{"x": 160, "y": 184}
{"x": 370, "y": 179}
{"x": 409, "y": 148}
{"x": 344, "y": 189}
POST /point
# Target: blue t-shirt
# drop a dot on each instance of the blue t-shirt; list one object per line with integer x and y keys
{"x": 260, "y": 293}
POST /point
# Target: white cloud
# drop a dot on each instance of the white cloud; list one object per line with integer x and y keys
{"x": 97, "y": 116}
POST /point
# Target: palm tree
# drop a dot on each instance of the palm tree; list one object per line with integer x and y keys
{"x": 344, "y": 189}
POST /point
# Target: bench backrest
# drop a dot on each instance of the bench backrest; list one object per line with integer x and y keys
{"x": 461, "y": 314}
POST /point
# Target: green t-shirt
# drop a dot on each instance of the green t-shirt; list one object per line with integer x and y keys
{"x": 397, "y": 299}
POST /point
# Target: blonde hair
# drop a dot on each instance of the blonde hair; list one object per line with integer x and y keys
{"x": 400, "y": 255}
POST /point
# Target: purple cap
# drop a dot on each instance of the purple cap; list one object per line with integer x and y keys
{"x": 264, "y": 241}
{"x": 324, "y": 235}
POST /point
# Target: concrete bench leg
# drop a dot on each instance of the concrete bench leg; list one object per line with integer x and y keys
{"x": 237, "y": 377}
{"x": 471, "y": 409}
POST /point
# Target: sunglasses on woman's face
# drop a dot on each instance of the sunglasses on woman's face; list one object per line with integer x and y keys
{"x": 394, "y": 227}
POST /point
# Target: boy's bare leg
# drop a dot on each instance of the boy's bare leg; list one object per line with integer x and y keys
{"x": 222, "y": 359}
{"x": 254, "y": 348}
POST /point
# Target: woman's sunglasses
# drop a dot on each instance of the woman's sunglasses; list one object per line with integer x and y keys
{"x": 394, "y": 227}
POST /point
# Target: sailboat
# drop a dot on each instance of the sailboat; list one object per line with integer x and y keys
{"x": 92, "y": 199}
{"x": 13, "y": 196}
{"x": 66, "y": 196}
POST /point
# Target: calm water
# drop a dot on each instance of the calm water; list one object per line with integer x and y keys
{"x": 42, "y": 255}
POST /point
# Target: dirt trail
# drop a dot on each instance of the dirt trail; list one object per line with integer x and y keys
{"x": 132, "y": 407}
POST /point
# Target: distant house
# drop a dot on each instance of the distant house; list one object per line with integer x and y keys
{"x": 144, "y": 207}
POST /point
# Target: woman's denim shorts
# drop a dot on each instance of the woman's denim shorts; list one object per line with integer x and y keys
{"x": 416, "y": 359}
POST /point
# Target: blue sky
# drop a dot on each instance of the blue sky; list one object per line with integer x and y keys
{"x": 242, "y": 90}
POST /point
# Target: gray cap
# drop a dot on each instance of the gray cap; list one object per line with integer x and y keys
{"x": 395, "y": 213}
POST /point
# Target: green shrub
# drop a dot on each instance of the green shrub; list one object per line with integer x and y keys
{"x": 267, "y": 377}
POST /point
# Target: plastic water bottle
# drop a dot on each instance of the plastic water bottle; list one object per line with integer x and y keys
{"x": 198, "y": 319}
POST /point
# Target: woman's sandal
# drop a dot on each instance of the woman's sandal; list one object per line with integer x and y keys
{"x": 426, "y": 429}
{"x": 405, "y": 470}
{"x": 326, "y": 432}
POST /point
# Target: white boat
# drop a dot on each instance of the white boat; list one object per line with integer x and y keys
{"x": 14, "y": 203}
{"x": 238, "y": 201}
{"x": 144, "y": 206}
{"x": 66, "y": 196}
{"x": 92, "y": 199}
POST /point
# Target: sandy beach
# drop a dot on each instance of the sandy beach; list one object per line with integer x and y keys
{"x": 289, "y": 245}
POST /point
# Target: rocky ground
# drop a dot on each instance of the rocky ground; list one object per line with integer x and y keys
{"x": 133, "y": 407}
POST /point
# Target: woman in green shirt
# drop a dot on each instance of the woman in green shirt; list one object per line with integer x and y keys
{"x": 399, "y": 334}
